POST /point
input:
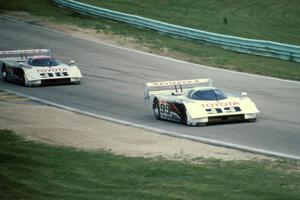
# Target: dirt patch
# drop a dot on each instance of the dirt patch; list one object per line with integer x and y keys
{"x": 59, "y": 127}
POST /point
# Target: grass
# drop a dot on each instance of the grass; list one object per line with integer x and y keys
{"x": 190, "y": 50}
{"x": 276, "y": 20}
{"x": 31, "y": 170}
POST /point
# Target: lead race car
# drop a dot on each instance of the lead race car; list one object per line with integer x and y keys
{"x": 36, "y": 67}
{"x": 196, "y": 102}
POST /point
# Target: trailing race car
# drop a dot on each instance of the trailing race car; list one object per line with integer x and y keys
{"x": 37, "y": 67}
{"x": 196, "y": 102}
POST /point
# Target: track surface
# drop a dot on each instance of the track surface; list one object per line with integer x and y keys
{"x": 113, "y": 86}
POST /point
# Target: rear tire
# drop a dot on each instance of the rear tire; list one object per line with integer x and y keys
{"x": 156, "y": 109}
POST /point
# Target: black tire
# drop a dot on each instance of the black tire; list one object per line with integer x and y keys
{"x": 156, "y": 109}
{"x": 4, "y": 72}
{"x": 252, "y": 120}
{"x": 22, "y": 78}
{"x": 181, "y": 108}
{"x": 201, "y": 124}
{"x": 183, "y": 115}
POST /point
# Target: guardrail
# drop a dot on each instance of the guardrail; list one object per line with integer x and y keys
{"x": 250, "y": 46}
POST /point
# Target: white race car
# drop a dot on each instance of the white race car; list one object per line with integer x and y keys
{"x": 196, "y": 102}
{"x": 36, "y": 67}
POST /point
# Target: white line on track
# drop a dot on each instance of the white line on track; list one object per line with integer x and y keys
{"x": 156, "y": 130}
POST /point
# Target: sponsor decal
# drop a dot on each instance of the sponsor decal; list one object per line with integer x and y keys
{"x": 30, "y": 51}
{"x": 223, "y": 104}
{"x": 53, "y": 70}
{"x": 180, "y": 82}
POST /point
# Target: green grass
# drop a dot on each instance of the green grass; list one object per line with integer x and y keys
{"x": 277, "y": 20}
{"x": 187, "y": 49}
{"x": 30, "y": 170}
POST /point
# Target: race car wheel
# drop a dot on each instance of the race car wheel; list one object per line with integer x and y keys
{"x": 183, "y": 115}
{"x": 200, "y": 124}
{"x": 156, "y": 109}
{"x": 252, "y": 120}
{"x": 182, "y": 110}
{"x": 22, "y": 78}
{"x": 4, "y": 73}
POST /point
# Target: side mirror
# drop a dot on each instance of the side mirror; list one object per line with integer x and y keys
{"x": 244, "y": 94}
{"x": 72, "y": 62}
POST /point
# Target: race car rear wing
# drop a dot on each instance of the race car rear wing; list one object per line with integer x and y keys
{"x": 177, "y": 85}
{"x": 23, "y": 54}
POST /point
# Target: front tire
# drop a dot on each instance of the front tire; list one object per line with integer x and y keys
{"x": 156, "y": 109}
{"x": 22, "y": 78}
{"x": 252, "y": 120}
{"x": 4, "y": 73}
{"x": 182, "y": 111}
{"x": 201, "y": 124}
{"x": 184, "y": 116}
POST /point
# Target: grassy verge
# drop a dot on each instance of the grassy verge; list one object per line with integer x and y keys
{"x": 276, "y": 20}
{"x": 162, "y": 44}
{"x": 30, "y": 170}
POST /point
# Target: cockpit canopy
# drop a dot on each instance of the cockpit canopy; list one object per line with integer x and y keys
{"x": 208, "y": 95}
{"x": 43, "y": 61}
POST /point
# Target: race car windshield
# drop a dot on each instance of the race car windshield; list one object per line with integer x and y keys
{"x": 43, "y": 62}
{"x": 209, "y": 95}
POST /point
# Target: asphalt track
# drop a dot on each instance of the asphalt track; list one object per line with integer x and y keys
{"x": 113, "y": 87}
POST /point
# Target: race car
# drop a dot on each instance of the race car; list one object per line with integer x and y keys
{"x": 36, "y": 67}
{"x": 196, "y": 102}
